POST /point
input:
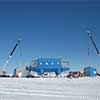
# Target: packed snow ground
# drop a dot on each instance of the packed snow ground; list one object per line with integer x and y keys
{"x": 50, "y": 89}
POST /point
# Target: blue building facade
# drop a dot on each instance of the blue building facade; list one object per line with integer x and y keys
{"x": 49, "y": 65}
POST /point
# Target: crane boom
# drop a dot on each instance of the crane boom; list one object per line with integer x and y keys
{"x": 9, "y": 57}
{"x": 90, "y": 36}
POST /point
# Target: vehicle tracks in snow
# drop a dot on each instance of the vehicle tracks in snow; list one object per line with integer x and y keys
{"x": 46, "y": 93}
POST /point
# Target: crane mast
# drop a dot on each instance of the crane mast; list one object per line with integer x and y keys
{"x": 9, "y": 57}
{"x": 90, "y": 36}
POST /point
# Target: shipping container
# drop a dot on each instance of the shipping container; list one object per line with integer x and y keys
{"x": 90, "y": 71}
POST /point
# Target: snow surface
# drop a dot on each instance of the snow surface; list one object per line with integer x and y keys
{"x": 50, "y": 88}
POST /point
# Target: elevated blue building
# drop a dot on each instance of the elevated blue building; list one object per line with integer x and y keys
{"x": 42, "y": 65}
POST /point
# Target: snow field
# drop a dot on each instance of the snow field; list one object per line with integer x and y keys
{"x": 50, "y": 88}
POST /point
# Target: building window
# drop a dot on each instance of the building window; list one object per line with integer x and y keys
{"x": 58, "y": 63}
{"x": 40, "y": 63}
{"x": 52, "y": 63}
{"x": 46, "y": 63}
